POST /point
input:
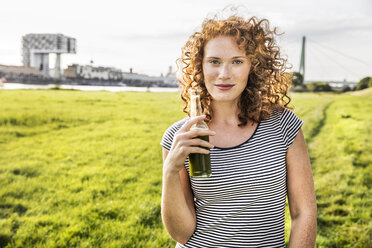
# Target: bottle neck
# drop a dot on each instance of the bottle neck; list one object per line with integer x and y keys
{"x": 196, "y": 110}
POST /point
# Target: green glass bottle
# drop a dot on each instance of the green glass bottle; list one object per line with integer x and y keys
{"x": 199, "y": 164}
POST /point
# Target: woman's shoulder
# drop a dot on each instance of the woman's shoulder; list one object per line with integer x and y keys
{"x": 288, "y": 123}
{"x": 168, "y": 135}
{"x": 177, "y": 125}
{"x": 279, "y": 114}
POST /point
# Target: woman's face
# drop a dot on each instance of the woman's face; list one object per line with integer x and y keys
{"x": 225, "y": 68}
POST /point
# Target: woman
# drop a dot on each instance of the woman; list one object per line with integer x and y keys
{"x": 257, "y": 149}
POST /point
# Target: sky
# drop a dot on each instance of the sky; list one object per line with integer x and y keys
{"x": 148, "y": 35}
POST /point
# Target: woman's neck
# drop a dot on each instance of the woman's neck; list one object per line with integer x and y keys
{"x": 225, "y": 113}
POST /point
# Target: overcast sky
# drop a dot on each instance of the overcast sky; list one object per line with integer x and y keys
{"x": 148, "y": 35}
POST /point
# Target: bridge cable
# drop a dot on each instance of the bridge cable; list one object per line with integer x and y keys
{"x": 325, "y": 53}
{"x": 343, "y": 54}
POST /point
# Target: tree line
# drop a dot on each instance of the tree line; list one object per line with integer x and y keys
{"x": 298, "y": 84}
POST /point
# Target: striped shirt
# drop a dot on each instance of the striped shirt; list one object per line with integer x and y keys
{"x": 242, "y": 204}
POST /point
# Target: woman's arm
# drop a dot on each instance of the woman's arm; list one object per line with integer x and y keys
{"x": 301, "y": 195}
{"x": 177, "y": 205}
{"x": 177, "y": 208}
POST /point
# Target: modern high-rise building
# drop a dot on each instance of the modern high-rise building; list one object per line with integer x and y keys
{"x": 37, "y": 47}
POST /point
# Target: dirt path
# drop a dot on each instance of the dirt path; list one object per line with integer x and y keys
{"x": 363, "y": 92}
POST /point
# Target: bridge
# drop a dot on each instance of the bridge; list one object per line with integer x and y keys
{"x": 327, "y": 57}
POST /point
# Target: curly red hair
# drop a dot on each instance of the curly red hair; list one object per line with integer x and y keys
{"x": 267, "y": 85}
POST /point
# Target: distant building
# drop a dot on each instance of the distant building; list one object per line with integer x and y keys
{"x": 23, "y": 74}
{"x": 135, "y": 79}
{"x": 136, "y": 76}
{"x": 87, "y": 72}
{"x": 37, "y": 47}
{"x": 170, "y": 78}
{"x": 15, "y": 71}
{"x": 342, "y": 84}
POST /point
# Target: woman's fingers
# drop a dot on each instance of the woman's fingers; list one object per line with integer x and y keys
{"x": 199, "y": 132}
{"x": 195, "y": 149}
{"x": 186, "y": 141}
{"x": 188, "y": 124}
{"x": 199, "y": 142}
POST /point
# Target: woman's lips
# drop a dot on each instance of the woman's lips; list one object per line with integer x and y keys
{"x": 224, "y": 86}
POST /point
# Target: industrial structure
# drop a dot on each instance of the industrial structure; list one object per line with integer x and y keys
{"x": 37, "y": 47}
{"x": 89, "y": 72}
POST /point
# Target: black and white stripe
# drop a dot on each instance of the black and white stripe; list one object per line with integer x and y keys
{"x": 242, "y": 204}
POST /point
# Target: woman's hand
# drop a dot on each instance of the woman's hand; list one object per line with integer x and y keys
{"x": 184, "y": 144}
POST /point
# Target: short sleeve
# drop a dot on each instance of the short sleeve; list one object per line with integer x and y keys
{"x": 290, "y": 126}
{"x": 167, "y": 140}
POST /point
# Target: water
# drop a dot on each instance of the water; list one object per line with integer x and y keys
{"x": 17, "y": 86}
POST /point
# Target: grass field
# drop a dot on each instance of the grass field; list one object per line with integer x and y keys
{"x": 83, "y": 169}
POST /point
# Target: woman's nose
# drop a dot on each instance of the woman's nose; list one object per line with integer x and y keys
{"x": 224, "y": 72}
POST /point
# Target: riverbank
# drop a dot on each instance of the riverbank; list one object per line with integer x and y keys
{"x": 18, "y": 86}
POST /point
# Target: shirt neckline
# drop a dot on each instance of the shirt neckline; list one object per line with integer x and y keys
{"x": 227, "y": 148}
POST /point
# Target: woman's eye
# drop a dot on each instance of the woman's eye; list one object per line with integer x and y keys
{"x": 215, "y": 62}
{"x": 238, "y": 62}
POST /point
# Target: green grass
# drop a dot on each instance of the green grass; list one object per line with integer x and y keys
{"x": 83, "y": 169}
{"x": 341, "y": 155}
